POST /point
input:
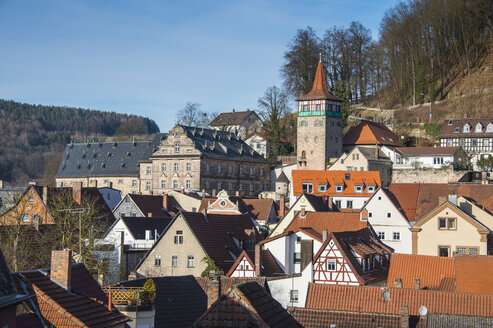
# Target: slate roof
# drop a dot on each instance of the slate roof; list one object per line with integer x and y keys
{"x": 179, "y": 300}
{"x": 84, "y": 306}
{"x": 427, "y": 151}
{"x": 247, "y": 305}
{"x": 369, "y": 153}
{"x": 8, "y": 197}
{"x": 220, "y": 145}
{"x": 231, "y": 118}
{"x": 8, "y": 292}
{"x": 137, "y": 226}
{"x": 282, "y": 178}
{"x": 320, "y": 89}
{"x": 434, "y": 272}
{"x": 269, "y": 265}
{"x": 154, "y": 204}
{"x": 333, "y": 178}
{"x": 318, "y": 203}
{"x": 450, "y": 125}
{"x": 370, "y": 133}
{"x": 215, "y": 233}
{"x": 105, "y": 158}
{"x": 315, "y": 318}
{"x": 330, "y": 221}
{"x": 370, "y": 300}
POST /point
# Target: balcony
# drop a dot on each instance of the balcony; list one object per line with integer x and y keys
{"x": 129, "y": 299}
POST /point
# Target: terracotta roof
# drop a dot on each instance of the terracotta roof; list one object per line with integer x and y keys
{"x": 370, "y": 133}
{"x": 154, "y": 204}
{"x": 428, "y": 151}
{"x": 215, "y": 233}
{"x": 260, "y": 208}
{"x": 320, "y": 89}
{"x": 362, "y": 243}
{"x": 315, "y": 318}
{"x": 418, "y": 200}
{"x": 137, "y": 226}
{"x": 231, "y": 118}
{"x": 330, "y": 221}
{"x": 474, "y": 274}
{"x": 450, "y": 125}
{"x": 247, "y": 305}
{"x": 179, "y": 300}
{"x": 83, "y": 306}
{"x": 434, "y": 272}
{"x": 370, "y": 300}
{"x": 333, "y": 178}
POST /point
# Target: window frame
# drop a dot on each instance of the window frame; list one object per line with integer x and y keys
{"x": 157, "y": 260}
{"x": 174, "y": 260}
{"x": 329, "y": 264}
{"x": 308, "y": 186}
{"x": 190, "y": 261}
{"x": 443, "y": 247}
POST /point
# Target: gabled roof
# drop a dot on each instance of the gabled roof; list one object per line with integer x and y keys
{"x": 86, "y": 305}
{"x": 370, "y": 133}
{"x": 371, "y": 155}
{"x": 474, "y": 274}
{"x": 260, "y": 208}
{"x": 154, "y": 204}
{"x": 406, "y": 196}
{"x": 105, "y": 158}
{"x": 320, "y": 89}
{"x": 370, "y": 300}
{"x": 282, "y": 177}
{"x": 428, "y": 151}
{"x": 215, "y": 233}
{"x": 242, "y": 207}
{"x": 333, "y": 178}
{"x": 319, "y": 203}
{"x": 330, "y": 221}
{"x": 227, "y": 283}
{"x": 247, "y": 305}
{"x": 179, "y": 300}
{"x": 269, "y": 264}
{"x": 450, "y": 126}
{"x": 362, "y": 243}
{"x": 434, "y": 272}
{"x": 232, "y": 118}
{"x": 137, "y": 226}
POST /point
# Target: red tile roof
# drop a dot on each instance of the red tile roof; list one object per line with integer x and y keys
{"x": 333, "y": 178}
{"x": 260, "y": 208}
{"x": 330, "y": 221}
{"x": 370, "y": 300}
{"x": 247, "y": 305}
{"x": 416, "y": 151}
{"x": 370, "y": 133}
{"x": 85, "y": 306}
{"x": 406, "y": 196}
{"x": 320, "y": 89}
{"x": 314, "y": 318}
{"x": 154, "y": 204}
{"x": 215, "y": 233}
{"x": 448, "y": 129}
{"x": 434, "y": 272}
{"x": 474, "y": 274}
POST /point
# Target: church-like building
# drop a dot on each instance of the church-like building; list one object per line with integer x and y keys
{"x": 319, "y": 125}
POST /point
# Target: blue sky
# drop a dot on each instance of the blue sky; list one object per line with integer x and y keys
{"x": 151, "y": 57}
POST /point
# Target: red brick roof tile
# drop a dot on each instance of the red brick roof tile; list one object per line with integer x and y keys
{"x": 260, "y": 208}
{"x": 370, "y": 300}
{"x": 370, "y": 133}
{"x": 474, "y": 274}
{"x": 320, "y": 89}
{"x": 330, "y": 221}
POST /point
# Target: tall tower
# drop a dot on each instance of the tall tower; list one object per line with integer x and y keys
{"x": 319, "y": 125}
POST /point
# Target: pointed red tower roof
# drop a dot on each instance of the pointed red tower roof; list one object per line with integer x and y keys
{"x": 320, "y": 89}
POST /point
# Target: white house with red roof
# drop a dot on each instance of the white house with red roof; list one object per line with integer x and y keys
{"x": 389, "y": 221}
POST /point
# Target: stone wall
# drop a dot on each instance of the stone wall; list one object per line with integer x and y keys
{"x": 426, "y": 176}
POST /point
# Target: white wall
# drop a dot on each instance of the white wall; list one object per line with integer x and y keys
{"x": 280, "y": 288}
{"x": 358, "y": 201}
{"x": 425, "y": 162}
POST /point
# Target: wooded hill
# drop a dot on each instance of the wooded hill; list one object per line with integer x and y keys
{"x": 33, "y": 137}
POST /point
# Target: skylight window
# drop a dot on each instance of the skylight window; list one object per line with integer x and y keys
{"x": 450, "y": 122}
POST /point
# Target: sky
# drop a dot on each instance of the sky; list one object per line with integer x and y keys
{"x": 152, "y": 57}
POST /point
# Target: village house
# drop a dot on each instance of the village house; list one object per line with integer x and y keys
{"x": 192, "y": 237}
{"x": 365, "y": 159}
{"x": 429, "y": 157}
{"x": 241, "y": 123}
{"x": 250, "y": 264}
{"x": 348, "y": 189}
{"x": 474, "y": 135}
{"x": 135, "y": 205}
{"x": 261, "y": 143}
{"x": 370, "y": 134}
{"x": 204, "y": 159}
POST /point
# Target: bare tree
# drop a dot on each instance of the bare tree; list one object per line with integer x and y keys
{"x": 190, "y": 115}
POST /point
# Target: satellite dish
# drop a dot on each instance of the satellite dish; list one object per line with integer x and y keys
{"x": 423, "y": 310}
{"x": 386, "y": 295}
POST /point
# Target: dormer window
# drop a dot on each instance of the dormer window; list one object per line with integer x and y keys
{"x": 450, "y": 122}
{"x": 489, "y": 128}
{"x": 307, "y": 187}
{"x": 358, "y": 189}
{"x": 466, "y": 128}
{"x": 322, "y": 188}
{"x": 479, "y": 128}
{"x": 457, "y": 130}
{"x": 339, "y": 188}
{"x": 370, "y": 189}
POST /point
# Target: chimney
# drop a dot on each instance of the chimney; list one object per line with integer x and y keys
{"x": 258, "y": 260}
{"x": 303, "y": 213}
{"x": 165, "y": 201}
{"x": 233, "y": 110}
{"x": 282, "y": 206}
{"x": 214, "y": 193}
{"x": 441, "y": 199}
{"x": 60, "y": 268}
{"x": 330, "y": 203}
{"x": 45, "y": 195}
{"x": 452, "y": 199}
{"x": 465, "y": 115}
{"x": 404, "y": 317}
{"x": 149, "y": 215}
{"x": 77, "y": 192}
{"x": 364, "y": 215}
{"x": 416, "y": 283}
{"x": 398, "y": 283}
{"x": 237, "y": 193}
{"x": 213, "y": 288}
{"x": 325, "y": 235}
